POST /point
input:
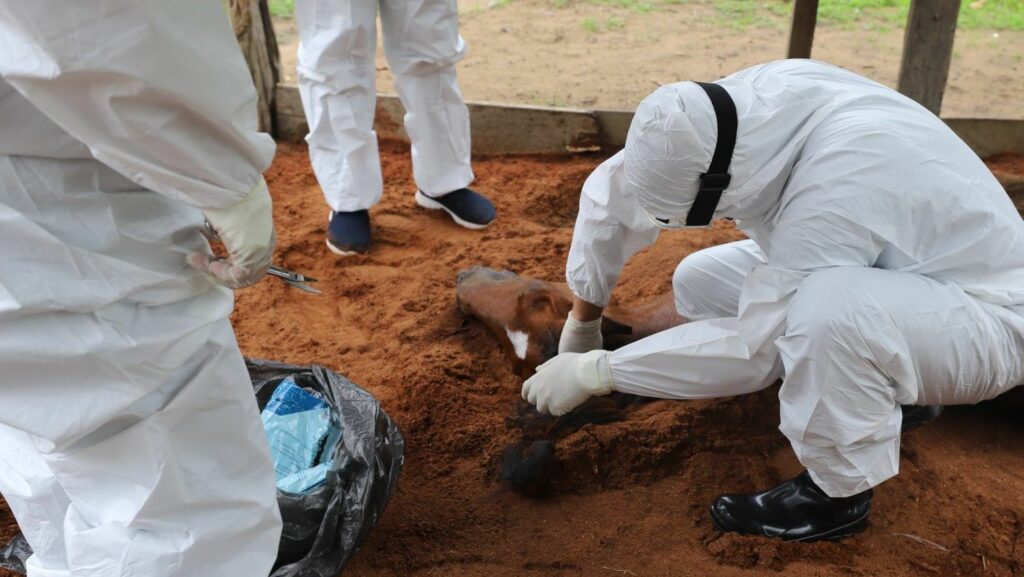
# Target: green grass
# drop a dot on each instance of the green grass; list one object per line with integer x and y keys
{"x": 878, "y": 15}
{"x": 742, "y": 14}
{"x": 640, "y": 6}
{"x": 998, "y": 14}
{"x": 614, "y": 23}
{"x": 282, "y": 8}
{"x": 592, "y": 26}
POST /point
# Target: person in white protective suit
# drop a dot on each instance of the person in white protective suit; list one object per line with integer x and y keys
{"x": 336, "y": 70}
{"x": 130, "y": 440}
{"x": 885, "y": 267}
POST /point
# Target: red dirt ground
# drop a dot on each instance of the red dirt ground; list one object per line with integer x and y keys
{"x": 1007, "y": 162}
{"x": 633, "y": 495}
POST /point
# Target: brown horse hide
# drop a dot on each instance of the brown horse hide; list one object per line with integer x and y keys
{"x": 526, "y": 315}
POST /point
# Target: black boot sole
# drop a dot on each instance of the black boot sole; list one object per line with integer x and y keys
{"x": 851, "y": 528}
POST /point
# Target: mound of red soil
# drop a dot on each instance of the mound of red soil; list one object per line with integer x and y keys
{"x": 633, "y": 494}
{"x": 1007, "y": 162}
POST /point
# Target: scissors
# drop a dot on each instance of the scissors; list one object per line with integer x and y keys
{"x": 295, "y": 279}
{"x": 299, "y": 281}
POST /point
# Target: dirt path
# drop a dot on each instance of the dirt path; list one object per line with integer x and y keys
{"x": 531, "y": 52}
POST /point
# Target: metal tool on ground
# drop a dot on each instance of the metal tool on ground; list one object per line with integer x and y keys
{"x": 297, "y": 280}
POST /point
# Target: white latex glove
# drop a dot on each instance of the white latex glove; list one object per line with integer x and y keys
{"x": 247, "y": 231}
{"x": 566, "y": 381}
{"x": 580, "y": 336}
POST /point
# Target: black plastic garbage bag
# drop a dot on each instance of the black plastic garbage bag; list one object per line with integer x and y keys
{"x": 326, "y": 525}
{"x": 14, "y": 554}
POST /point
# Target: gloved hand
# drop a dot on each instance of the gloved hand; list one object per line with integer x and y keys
{"x": 247, "y": 231}
{"x": 580, "y": 336}
{"x": 566, "y": 381}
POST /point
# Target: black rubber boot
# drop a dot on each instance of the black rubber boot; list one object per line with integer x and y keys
{"x": 916, "y": 415}
{"x": 796, "y": 510}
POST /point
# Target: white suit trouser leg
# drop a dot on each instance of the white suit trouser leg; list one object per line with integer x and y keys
{"x": 862, "y": 341}
{"x": 180, "y": 486}
{"x": 337, "y": 41}
{"x": 336, "y": 82}
{"x": 707, "y": 283}
{"x": 422, "y": 45}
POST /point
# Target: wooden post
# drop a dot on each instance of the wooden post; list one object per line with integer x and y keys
{"x": 927, "y": 50}
{"x": 255, "y": 33}
{"x": 801, "y": 34}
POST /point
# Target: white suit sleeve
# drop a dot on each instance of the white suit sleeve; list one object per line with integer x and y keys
{"x": 158, "y": 90}
{"x": 732, "y": 356}
{"x": 610, "y": 228}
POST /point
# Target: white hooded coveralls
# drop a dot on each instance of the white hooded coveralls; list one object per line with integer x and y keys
{"x": 130, "y": 440}
{"x": 885, "y": 266}
{"x": 337, "y": 41}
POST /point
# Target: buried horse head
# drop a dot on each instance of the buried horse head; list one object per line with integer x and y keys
{"x": 526, "y": 316}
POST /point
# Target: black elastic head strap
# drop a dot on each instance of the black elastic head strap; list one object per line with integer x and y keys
{"x": 716, "y": 179}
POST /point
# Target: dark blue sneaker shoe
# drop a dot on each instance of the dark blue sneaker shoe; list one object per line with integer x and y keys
{"x": 348, "y": 233}
{"x": 466, "y": 207}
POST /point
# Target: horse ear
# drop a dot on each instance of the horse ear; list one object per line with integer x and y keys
{"x": 537, "y": 300}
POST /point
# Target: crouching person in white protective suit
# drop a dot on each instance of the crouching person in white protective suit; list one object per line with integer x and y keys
{"x": 130, "y": 439}
{"x": 337, "y": 41}
{"x": 885, "y": 267}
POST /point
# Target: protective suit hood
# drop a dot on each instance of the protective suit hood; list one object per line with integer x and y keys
{"x": 674, "y": 132}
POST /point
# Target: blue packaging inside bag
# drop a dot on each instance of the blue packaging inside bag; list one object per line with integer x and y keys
{"x": 306, "y": 479}
{"x": 290, "y": 398}
{"x": 300, "y": 435}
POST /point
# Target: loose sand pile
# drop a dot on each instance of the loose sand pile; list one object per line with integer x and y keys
{"x": 633, "y": 494}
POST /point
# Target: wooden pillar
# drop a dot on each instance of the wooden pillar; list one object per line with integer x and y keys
{"x": 801, "y": 34}
{"x": 927, "y": 50}
{"x": 255, "y": 33}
